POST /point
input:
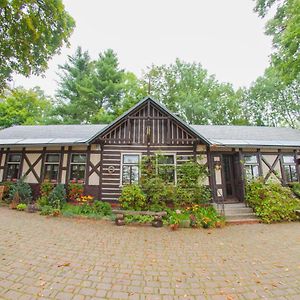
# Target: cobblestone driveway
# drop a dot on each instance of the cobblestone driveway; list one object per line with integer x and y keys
{"x": 59, "y": 258}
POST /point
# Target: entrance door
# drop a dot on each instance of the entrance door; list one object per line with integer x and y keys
{"x": 229, "y": 177}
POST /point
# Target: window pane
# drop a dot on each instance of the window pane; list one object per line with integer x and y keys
{"x": 13, "y": 171}
{"x": 165, "y": 159}
{"x": 248, "y": 172}
{"x": 52, "y": 158}
{"x": 79, "y": 158}
{"x": 290, "y": 173}
{"x": 51, "y": 172}
{"x": 130, "y": 159}
{"x": 289, "y": 159}
{"x": 77, "y": 172}
{"x": 126, "y": 175}
{"x": 14, "y": 158}
{"x": 255, "y": 171}
{"x": 167, "y": 173}
{"x": 134, "y": 174}
{"x": 250, "y": 159}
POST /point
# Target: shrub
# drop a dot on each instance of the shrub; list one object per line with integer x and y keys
{"x": 21, "y": 206}
{"x": 42, "y": 201}
{"x": 295, "y": 186}
{"x": 271, "y": 202}
{"x": 57, "y": 197}
{"x": 132, "y": 197}
{"x": 46, "y": 188}
{"x": 75, "y": 191}
{"x": 138, "y": 219}
{"x": 101, "y": 207}
{"x": 23, "y": 189}
{"x": 46, "y": 210}
{"x": 8, "y": 185}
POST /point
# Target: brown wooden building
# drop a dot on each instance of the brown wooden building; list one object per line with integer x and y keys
{"x": 105, "y": 157}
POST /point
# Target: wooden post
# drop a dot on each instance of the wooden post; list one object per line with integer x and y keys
{"x": 260, "y": 170}
{"x": 62, "y": 149}
{"x": 297, "y": 165}
{"x": 87, "y": 167}
{"x": 68, "y": 165}
{"x": 101, "y": 169}
{"x": 22, "y": 163}
{"x": 211, "y": 179}
{"x": 43, "y": 165}
{"x": 242, "y": 173}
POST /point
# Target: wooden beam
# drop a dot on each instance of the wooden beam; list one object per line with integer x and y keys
{"x": 101, "y": 170}
{"x": 62, "y": 150}
{"x": 242, "y": 171}
{"x": 87, "y": 166}
{"x": 68, "y": 164}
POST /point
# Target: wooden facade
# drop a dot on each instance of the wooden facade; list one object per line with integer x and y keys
{"x": 145, "y": 130}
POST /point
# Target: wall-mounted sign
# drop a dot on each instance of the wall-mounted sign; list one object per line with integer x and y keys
{"x": 111, "y": 169}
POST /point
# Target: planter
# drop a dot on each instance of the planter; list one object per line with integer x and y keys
{"x": 185, "y": 224}
{"x": 31, "y": 208}
{"x": 174, "y": 226}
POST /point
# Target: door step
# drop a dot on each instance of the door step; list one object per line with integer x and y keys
{"x": 239, "y": 213}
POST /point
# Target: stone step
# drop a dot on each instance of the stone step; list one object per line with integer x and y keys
{"x": 240, "y": 217}
{"x": 238, "y": 210}
{"x": 242, "y": 221}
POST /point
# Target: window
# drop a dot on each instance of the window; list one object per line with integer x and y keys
{"x": 78, "y": 163}
{"x": 166, "y": 167}
{"x": 51, "y": 167}
{"x": 13, "y": 166}
{"x": 251, "y": 166}
{"x": 289, "y": 168}
{"x": 130, "y": 169}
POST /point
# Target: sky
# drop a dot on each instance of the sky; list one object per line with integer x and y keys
{"x": 226, "y": 37}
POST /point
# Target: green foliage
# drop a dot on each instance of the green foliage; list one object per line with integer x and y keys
{"x": 75, "y": 190}
{"x": 284, "y": 27}
{"x": 195, "y": 216}
{"x": 47, "y": 210}
{"x": 138, "y": 219}
{"x": 97, "y": 210}
{"x": 46, "y": 188}
{"x": 23, "y": 189}
{"x": 31, "y": 32}
{"x": 271, "y": 102}
{"x": 8, "y": 185}
{"x": 57, "y": 197}
{"x": 272, "y": 202}
{"x": 101, "y": 207}
{"x": 95, "y": 91}
{"x": 187, "y": 88}
{"x": 132, "y": 198}
{"x": 295, "y": 186}
{"x": 24, "y": 107}
{"x": 42, "y": 201}
{"x": 21, "y": 206}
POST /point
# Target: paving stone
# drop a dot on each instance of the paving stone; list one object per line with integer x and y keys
{"x": 85, "y": 259}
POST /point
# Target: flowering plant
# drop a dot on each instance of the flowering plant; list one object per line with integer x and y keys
{"x": 85, "y": 199}
{"x": 75, "y": 191}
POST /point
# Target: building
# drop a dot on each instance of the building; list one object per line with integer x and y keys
{"x": 105, "y": 157}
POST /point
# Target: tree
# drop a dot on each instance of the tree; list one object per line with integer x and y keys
{"x": 24, "y": 107}
{"x": 284, "y": 27}
{"x": 95, "y": 91}
{"x": 270, "y": 102}
{"x": 31, "y": 32}
{"x": 70, "y": 105}
{"x": 186, "y": 88}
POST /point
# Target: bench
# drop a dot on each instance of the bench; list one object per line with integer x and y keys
{"x": 120, "y": 216}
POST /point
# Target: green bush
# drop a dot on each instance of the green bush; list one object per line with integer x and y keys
{"x": 295, "y": 186}
{"x": 42, "y": 201}
{"x": 138, "y": 219}
{"x": 101, "y": 207}
{"x": 57, "y": 197}
{"x": 23, "y": 189}
{"x": 272, "y": 202}
{"x": 46, "y": 188}
{"x": 46, "y": 210}
{"x": 21, "y": 206}
{"x": 8, "y": 185}
{"x": 132, "y": 198}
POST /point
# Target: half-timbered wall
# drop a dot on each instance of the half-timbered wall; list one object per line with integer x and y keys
{"x": 148, "y": 125}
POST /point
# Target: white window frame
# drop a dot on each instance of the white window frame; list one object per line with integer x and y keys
{"x": 70, "y": 167}
{"x": 175, "y": 163}
{"x": 121, "y": 165}
{"x": 251, "y": 165}
{"x": 51, "y": 163}
{"x": 14, "y": 163}
{"x": 284, "y": 164}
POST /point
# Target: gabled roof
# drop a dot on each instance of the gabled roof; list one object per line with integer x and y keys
{"x": 163, "y": 108}
{"x": 220, "y": 135}
{"x": 249, "y": 136}
{"x": 48, "y": 134}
